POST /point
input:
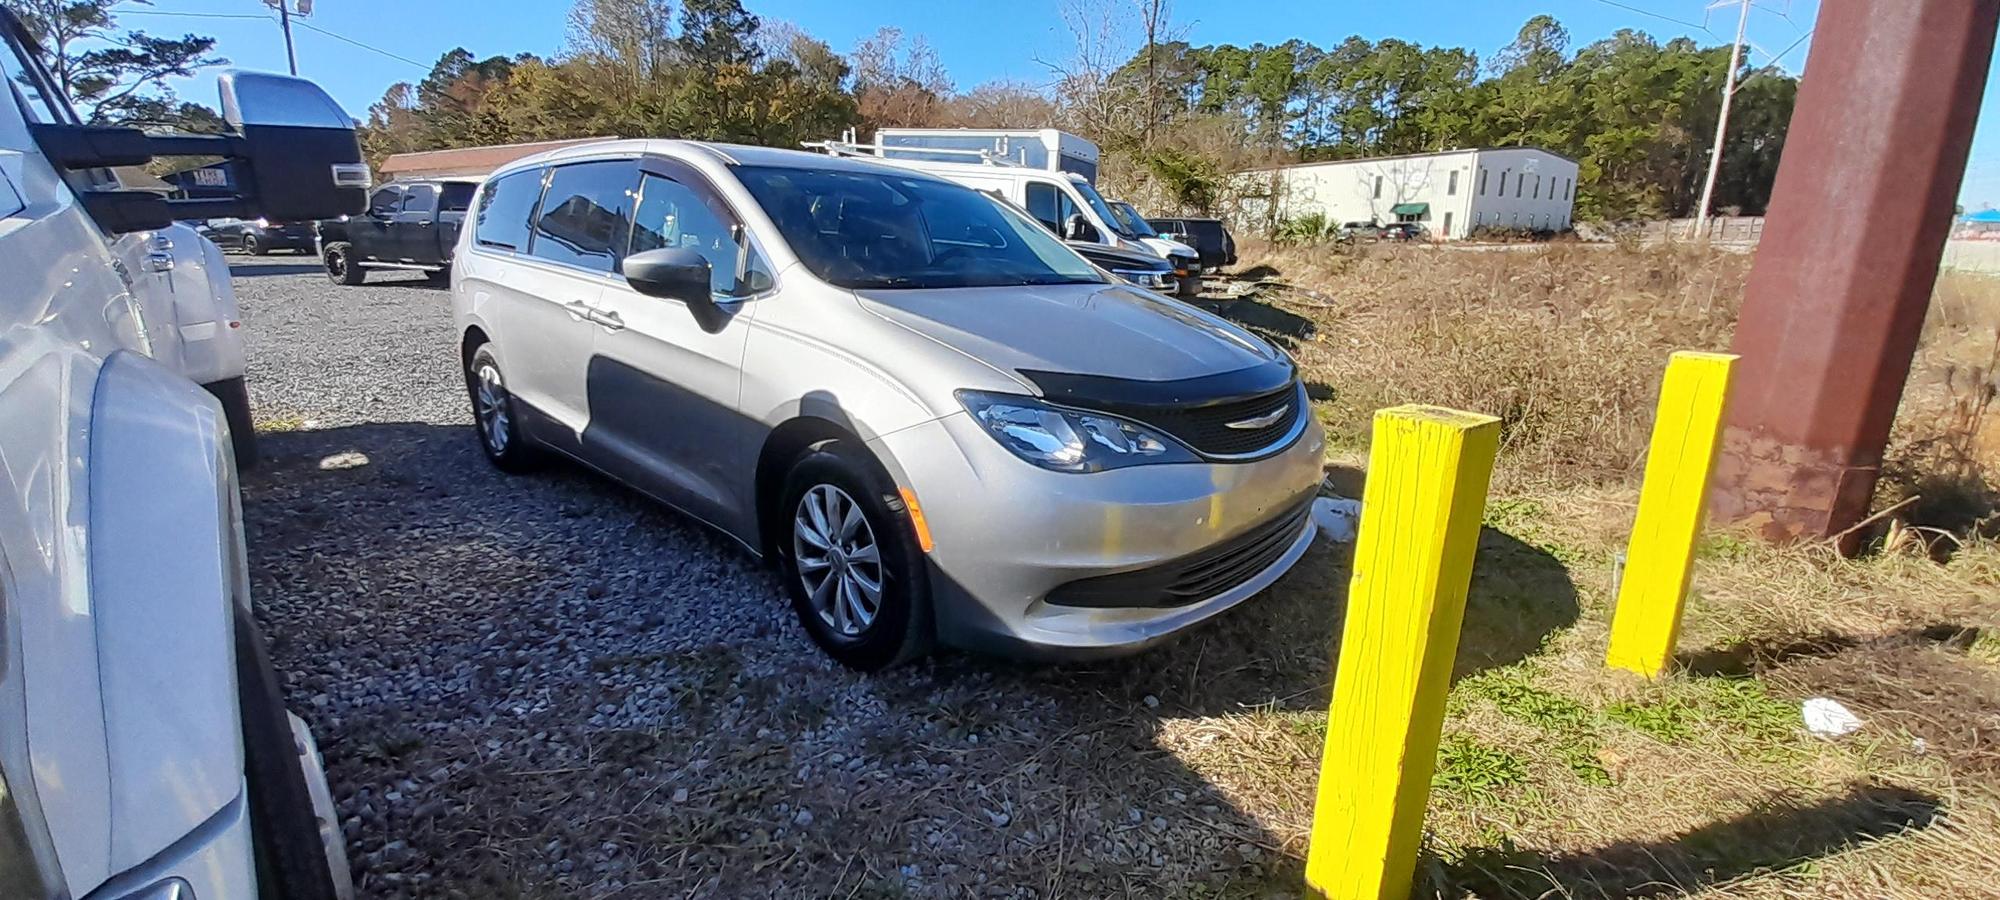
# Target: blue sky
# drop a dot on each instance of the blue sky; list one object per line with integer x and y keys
{"x": 977, "y": 42}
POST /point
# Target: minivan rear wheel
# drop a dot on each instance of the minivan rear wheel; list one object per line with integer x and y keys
{"x": 495, "y": 415}
{"x": 849, "y": 557}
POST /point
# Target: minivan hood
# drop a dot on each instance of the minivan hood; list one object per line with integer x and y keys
{"x": 1095, "y": 329}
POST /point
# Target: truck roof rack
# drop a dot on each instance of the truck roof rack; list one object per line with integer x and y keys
{"x": 849, "y": 145}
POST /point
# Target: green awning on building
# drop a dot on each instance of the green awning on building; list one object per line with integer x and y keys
{"x": 1409, "y": 209}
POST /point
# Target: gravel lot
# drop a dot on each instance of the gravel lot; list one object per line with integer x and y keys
{"x": 543, "y": 686}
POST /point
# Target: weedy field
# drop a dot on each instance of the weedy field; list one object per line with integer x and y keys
{"x": 1555, "y": 777}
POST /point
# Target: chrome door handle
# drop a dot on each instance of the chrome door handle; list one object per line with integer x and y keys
{"x": 610, "y": 320}
{"x": 578, "y": 310}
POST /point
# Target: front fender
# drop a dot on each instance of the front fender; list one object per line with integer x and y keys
{"x": 165, "y": 566}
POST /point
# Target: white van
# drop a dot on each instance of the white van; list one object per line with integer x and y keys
{"x": 1065, "y": 202}
{"x": 1048, "y": 149}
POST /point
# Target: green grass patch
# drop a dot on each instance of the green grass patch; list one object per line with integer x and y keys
{"x": 1471, "y": 769}
{"x": 1669, "y": 720}
{"x": 1512, "y": 692}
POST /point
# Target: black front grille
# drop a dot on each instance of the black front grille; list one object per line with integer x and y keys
{"x": 1207, "y": 428}
{"x": 1193, "y": 578}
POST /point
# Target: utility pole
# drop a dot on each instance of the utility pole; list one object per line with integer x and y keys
{"x": 285, "y": 24}
{"x": 1849, "y": 256}
{"x": 1722, "y": 120}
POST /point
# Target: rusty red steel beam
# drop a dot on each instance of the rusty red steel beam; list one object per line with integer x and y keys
{"x": 1852, "y": 239}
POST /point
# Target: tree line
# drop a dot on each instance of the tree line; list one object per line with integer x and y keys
{"x": 1174, "y": 118}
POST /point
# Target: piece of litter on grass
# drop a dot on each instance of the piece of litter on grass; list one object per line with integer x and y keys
{"x": 1336, "y": 517}
{"x": 1828, "y": 718}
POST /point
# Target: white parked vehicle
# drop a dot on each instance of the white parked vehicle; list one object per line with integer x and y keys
{"x": 144, "y": 748}
{"x": 193, "y": 324}
{"x": 1048, "y": 149}
{"x": 940, "y": 421}
{"x": 1064, "y": 202}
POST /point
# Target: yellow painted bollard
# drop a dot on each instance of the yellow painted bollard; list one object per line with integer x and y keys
{"x": 1420, "y": 517}
{"x": 1658, "y": 561}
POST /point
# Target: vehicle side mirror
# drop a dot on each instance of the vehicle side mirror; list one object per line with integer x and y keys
{"x": 1078, "y": 228}
{"x": 303, "y": 159}
{"x": 677, "y": 273}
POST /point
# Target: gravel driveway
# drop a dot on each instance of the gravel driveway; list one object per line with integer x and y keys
{"x": 543, "y": 686}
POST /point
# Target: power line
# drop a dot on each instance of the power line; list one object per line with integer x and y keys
{"x": 190, "y": 15}
{"x": 369, "y": 47}
{"x": 1648, "y": 12}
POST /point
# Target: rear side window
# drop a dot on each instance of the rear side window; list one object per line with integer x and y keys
{"x": 420, "y": 198}
{"x": 504, "y": 208}
{"x": 586, "y": 214}
{"x": 456, "y": 196}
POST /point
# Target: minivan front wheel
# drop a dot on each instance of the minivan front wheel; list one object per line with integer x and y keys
{"x": 850, "y": 560}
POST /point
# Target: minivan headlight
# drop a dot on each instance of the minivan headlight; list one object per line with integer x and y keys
{"x": 1068, "y": 440}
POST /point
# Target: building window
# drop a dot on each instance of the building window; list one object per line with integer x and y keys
{"x": 1520, "y": 185}
{"x": 1451, "y": 184}
{"x": 1538, "y": 187}
{"x": 1482, "y": 181}
{"x": 1569, "y": 192}
{"x": 1447, "y": 221}
{"x": 1502, "y": 192}
{"x": 1378, "y": 187}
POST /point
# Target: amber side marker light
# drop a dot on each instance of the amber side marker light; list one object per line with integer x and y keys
{"x": 917, "y": 519}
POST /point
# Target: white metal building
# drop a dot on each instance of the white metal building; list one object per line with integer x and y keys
{"x": 1451, "y": 193}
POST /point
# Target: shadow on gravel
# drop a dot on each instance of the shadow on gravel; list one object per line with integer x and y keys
{"x": 545, "y": 686}
{"x": 258, "y": 270}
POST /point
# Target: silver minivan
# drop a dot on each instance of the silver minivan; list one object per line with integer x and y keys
{"x": 940, "y": 422}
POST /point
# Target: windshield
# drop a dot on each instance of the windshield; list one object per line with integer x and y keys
{"x": 1098, "y": 205}
{"x": 886, "y": 230}
{"x": 1132, "y": 222}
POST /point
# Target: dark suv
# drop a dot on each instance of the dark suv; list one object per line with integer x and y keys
{"x": 258, "y": 236}
{"x": 1208, "y": 237}
{"x": 409, "y": 225}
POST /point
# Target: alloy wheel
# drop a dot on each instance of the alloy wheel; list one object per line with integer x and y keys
{"x": 839, "y": 562}
{"x": 490, "y": 405}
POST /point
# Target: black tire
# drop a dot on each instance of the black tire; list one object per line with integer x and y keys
{"x": 284, "y": 829}
{"x": 1189, "y": 287}
{"x": 235, "y": 398}
{"x": 254, "y": 247}
{"x": 509, "y": 450}
{"x": 900, "y": 629}
{"x": 339, "y": 261}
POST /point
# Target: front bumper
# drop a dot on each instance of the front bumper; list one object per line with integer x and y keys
{"x": 1006, "y": 534}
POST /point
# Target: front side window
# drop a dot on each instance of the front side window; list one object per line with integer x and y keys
{"x": 504, "y": 207}
{"x": 1097, "y": 205}
{"x": 420, "y": 198}
{"x": 1049, "y": 206}
{"x": 671, "y": 214}
{"x": 41, "y": 100}
{"x": 386, "y": 201}
{"x": 857, "y": 229}
{"x": 585, "y": 214}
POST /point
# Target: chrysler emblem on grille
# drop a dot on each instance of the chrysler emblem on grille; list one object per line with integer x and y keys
{"x": 1265, "y": 420}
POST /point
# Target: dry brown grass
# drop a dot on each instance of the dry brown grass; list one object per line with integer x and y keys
{"x": 1559, "y": 778}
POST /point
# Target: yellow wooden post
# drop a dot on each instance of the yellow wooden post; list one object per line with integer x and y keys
{"x": 1420, "y": 516}
{"x": 1661, "y": 554}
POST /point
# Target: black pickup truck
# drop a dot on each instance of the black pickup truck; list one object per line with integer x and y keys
{"x": 408, "y": 225}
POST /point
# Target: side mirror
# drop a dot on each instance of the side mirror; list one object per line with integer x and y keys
{"x": 291, "y": 155}
{"x": 1078, "y": 228}
{"x": 304, "y": 161}
{"x": 677, "y": 273}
